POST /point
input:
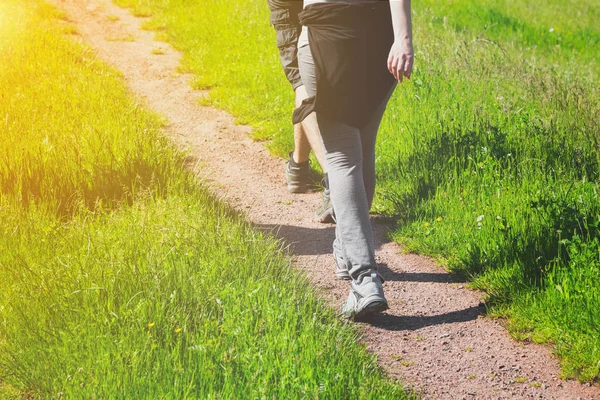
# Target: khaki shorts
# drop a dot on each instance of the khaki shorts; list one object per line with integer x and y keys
{"x": 284, "y": 18}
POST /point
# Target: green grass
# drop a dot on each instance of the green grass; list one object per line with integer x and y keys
{"x": 488, "y": 156}
{"x": 120, "y": 277}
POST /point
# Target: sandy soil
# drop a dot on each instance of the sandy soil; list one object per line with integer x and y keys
{"x": 434, "y": 338}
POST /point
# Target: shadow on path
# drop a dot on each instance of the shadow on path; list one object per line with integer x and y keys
{"x": 440, "y": 277}
{"x": 303, "y": 241}
{"x": 318, "y": 241}
{"x": 413, "y": 323}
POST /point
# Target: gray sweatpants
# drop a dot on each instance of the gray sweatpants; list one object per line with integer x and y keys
{"x": 350, "y": 155}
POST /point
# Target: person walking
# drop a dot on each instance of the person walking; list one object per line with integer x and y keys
{"x": 351, "y": 54}
{"x": 284, "y": 18}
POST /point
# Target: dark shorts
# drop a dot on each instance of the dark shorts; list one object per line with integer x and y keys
{"x": 284, "y": 18}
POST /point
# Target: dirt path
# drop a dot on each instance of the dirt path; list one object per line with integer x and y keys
{"x": 434, "y": 337}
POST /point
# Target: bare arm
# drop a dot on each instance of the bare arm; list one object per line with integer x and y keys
{"x": 401, "y": 58}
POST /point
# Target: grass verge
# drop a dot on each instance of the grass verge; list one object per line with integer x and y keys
{"x": 489, "y": 156}
{"x": 119, "y": 276}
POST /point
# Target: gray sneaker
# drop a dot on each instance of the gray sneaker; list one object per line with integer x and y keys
{"x": 297, "y": 175}
{"x": 366, "y": 297}
{"x": 325, "y": 213}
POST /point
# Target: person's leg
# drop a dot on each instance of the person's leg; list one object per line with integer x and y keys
{"x": 325, "y": 213}
{"x": 354, "y": 245}
{"x": 368, "y": 138}
{"x": 284, "y": 18}
{"x": 307, "y": 135}
{"x": 344, "y": 154}
{"x": 354, "y": 249}
{"x": 301, "y": 145}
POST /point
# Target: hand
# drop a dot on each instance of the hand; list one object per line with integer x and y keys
{"x": 401, "y": 58}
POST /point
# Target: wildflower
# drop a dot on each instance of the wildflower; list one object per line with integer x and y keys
{"x": 439, "y": 219}
{"x": 426, "y": 224}
{"x": 178, "y": 330}
{"x": 150, "y": 325}
{"x": 480, "y": 218}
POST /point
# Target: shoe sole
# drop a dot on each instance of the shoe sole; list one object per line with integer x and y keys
{"x": 373, "y": 306}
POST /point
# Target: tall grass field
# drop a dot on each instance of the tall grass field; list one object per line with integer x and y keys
{"x": 120, "y": 277}
{"x": 489, "y": 156}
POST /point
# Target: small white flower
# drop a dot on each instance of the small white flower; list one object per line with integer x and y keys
{"x": 551, "y": 30}
{"x": 480, "y": 218}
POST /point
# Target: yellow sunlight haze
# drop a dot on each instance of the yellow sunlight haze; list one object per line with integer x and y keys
{"x": 8, "y": 16}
